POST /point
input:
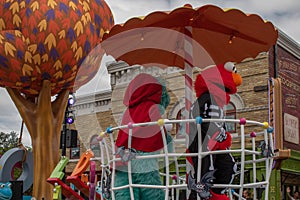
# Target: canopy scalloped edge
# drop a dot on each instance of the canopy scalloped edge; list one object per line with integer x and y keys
{"x": 250, "y": 33}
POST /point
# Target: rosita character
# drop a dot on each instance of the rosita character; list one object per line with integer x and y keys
{"x": 213, "y": 87}
{"x": 145, "y": 99}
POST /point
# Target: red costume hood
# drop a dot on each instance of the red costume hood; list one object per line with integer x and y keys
{"x": 142, "y": 97}
{"x": 143, "y": 87}
{"x": 219, "y": 81}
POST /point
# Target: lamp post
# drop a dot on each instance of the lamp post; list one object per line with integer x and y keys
{"x": 63, "y": 138}
{"x": 69, "y": 119}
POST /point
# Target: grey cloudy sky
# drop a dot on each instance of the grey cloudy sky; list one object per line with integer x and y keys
{"x": 284, "y": 15}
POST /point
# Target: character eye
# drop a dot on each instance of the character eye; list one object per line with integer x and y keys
{"x": 2, "y": 185}
{"x": 9, "y": 185}
{"x": 199, "y": 186}
{"x": 229, "y": 66}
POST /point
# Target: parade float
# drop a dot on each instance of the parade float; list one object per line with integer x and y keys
{"x": 186, "y": 38}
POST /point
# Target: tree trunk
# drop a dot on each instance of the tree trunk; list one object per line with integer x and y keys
{"x": 44, "y": 121}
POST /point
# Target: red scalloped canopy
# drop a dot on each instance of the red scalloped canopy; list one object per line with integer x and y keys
{"x": 202, "y": 36}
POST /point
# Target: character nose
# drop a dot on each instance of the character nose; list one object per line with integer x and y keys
{"x": 237, "y": 79}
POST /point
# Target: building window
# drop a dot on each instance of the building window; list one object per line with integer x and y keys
{"x": 230, "y": 113}
{"x": 180, "y": 127}
{"x": 95, "y": 146}
{"x": 75, "y": 152}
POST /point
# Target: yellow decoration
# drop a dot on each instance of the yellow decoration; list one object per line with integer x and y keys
{"x": 84, "y": 20}
{"x": 58, "y": 74}
{"x": 1, "y": 39}
{"x": 57, "y": 65}
{"x": 74, "y": 46}
{"x": 102, "y": 32}
{"x": 42, "y": 25}
{"x": 86, "y": 7}
{"x": 2, "y": 24}
{"x": 18, "y": 33}
{"x": 51, "y": 3}
{"x": 62, "y": 34}
{"x": 35, "y": 6}
{"x": 266, "y": 125}
{"x": 28, "y": 57}
{"x": 74, "y": 68}
{"x": 22, "y": 4}
{"x": 27, "y": 69}
{"x": 27, "y": 40}
{"x": 17, "y": 20}
{"x": 102, "y": 134}
{"x": 72, "y": 5}
{"x": 37, "y": 59}
{"x": 45, "y": 57}
{"x": 32, "y": 48}
{"x": 14, "y": 7}
{"x": 78, "y": 54}
{"x": 9, "y": 49}
{"x": 160, "y": 122}
{"x": 88, "y": 17}
{"x": 50, "y": 40}
{"x": 78, "y": 28}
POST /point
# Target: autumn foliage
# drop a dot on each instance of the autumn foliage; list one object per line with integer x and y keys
{"x": 51, "y": 40}
{"x": 48, "y": 47}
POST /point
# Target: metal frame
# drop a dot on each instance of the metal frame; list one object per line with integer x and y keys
{"x": 109, "y": 152}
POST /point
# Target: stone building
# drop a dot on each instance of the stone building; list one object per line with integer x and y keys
{"x": 96, "y": 112}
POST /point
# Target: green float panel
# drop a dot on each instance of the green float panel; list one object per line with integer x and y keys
{"x": 58, "y": 171}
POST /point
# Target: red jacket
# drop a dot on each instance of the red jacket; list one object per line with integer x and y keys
{"x": 142, "y": 98}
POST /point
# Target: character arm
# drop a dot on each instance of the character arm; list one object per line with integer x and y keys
{"x": 218, "y": 138}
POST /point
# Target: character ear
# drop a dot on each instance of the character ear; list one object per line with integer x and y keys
{"x": 229, "y": 66}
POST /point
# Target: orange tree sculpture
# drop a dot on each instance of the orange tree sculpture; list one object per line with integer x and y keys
{"x": 47, "y": 48}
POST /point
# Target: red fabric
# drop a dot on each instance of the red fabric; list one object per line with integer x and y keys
{"x": 214, "y": 80}
{"x": 142, "y": 98}
{"x": 215, "y": 145}
{"x": 218, "y": 196}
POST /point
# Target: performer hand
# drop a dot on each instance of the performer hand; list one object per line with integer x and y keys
{"x": 221, "y": 140}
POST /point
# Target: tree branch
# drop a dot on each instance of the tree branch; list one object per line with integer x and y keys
{"x": 26, "y": 108}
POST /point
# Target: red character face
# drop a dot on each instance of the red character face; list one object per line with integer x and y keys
{"x": 220, "y": 81}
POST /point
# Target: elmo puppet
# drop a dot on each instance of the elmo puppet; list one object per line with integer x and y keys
{"x": 213, "y": 87}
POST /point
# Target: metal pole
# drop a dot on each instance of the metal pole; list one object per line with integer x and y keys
{"x": 64, "y": 134}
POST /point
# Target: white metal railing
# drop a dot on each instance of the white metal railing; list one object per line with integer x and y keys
{"x": 176, "y": 182}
